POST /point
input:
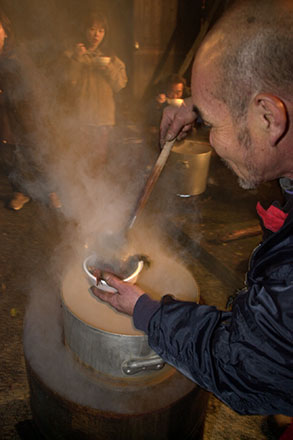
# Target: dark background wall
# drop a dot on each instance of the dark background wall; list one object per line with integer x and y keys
{"x": 52, "y": 23}
{"x": 151, "y": 36}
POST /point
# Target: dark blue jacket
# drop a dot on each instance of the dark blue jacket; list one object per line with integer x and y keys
{"x": 244, "y": 357}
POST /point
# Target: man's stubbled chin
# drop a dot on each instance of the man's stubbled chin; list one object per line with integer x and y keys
{"x": 243, "y": 183}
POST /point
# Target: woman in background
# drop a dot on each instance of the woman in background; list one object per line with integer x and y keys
{"x": 93, "y": 76}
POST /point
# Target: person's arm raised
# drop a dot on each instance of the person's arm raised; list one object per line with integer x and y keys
{"x": 177, "y": 121}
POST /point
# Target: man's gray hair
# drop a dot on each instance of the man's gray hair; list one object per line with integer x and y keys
{"x": 259, "y": 55}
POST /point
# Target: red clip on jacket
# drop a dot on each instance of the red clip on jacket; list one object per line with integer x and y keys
{"x": 273, "y": 218}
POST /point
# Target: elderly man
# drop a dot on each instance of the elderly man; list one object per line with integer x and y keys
{"x": 242, "y": 88}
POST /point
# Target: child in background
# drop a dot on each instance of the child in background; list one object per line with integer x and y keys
{"x": 172, "y": 93}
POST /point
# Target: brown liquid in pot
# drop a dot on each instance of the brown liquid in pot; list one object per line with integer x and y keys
{"x": 164, "y": 276}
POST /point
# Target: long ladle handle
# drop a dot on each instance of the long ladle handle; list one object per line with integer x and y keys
{"x": 153, "y": 177}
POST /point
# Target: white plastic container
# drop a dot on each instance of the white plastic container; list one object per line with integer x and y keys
{"x": 103, "y": 61}
{"x": 92, "y": 261}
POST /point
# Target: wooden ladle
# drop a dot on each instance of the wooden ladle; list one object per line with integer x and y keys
{"x": 153, "y": 177}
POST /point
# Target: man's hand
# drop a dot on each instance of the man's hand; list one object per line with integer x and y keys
{"x": 125, "y": 298}
{"x": 177, "y": 121}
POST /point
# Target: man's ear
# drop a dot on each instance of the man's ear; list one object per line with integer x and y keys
{"x": 271, "y": 115}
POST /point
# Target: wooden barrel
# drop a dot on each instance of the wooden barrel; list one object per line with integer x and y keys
{"x": 172, "y": 409}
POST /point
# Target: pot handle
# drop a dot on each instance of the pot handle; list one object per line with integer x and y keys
{"x": 134, "y": 366}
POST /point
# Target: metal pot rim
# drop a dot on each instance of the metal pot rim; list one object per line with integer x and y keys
{"x": 98, "y": 330}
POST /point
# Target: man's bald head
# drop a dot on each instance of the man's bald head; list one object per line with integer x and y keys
{"x": 252, "y": 46}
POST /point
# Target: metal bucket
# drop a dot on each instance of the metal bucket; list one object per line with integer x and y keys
{"x": 188, "y": 167}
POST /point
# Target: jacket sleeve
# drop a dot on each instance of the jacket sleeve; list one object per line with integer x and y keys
{"x": 245, "y": 357}
{"x": 117, "y": 74}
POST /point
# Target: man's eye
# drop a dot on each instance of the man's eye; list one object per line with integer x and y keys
{"x": 201, "y": 123}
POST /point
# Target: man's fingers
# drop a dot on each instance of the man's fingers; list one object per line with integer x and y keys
{"x": 184, "y": 132}
{"x": 176, "y": 120}
{"x": 103, "y": 295}
{"x": 112, "y": 280}
{"x": 166, "y": 127}
{"x": 97, "y": 273}
{"x": 126, "y": 297}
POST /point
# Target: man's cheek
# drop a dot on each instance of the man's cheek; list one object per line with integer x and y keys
{"x": 213, "y": 141}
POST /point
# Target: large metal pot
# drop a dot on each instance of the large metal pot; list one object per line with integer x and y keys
{"x": 103, "y": 338}
{"x": 114, "y": 354}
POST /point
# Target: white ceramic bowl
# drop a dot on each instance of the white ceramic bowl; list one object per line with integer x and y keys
{"x": 177, "y": 102}
{"x": 92, "y": 260}
{"x": 103, "y": 61}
